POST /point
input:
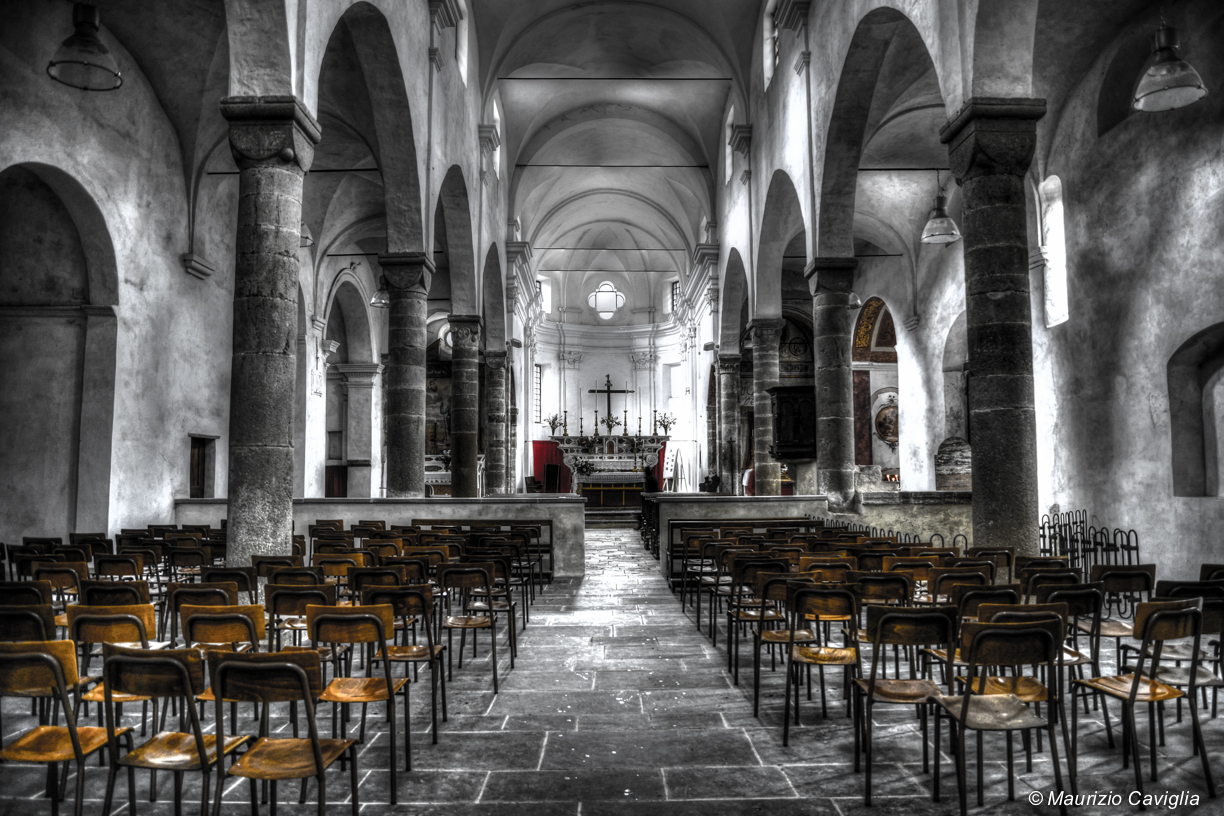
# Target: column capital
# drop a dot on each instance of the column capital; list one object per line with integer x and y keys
{"x": 830, "y": 274}
{"x": 268, "y": 129}
{"x": 765, "y": 329}
{"x": 465, "y": 330}
{"x": 409, "y": 271}
{"x": 728, "y": 363}
{"x": 992, "y": 136}
{"x": 495, "y": 360}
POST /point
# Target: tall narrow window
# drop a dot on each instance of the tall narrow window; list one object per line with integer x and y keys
{"x": 537, "y": 388}
{"x": 461, "y": 41}
{"x": 1054, "y": 240}
{"x": 497, "y": 152}
{"x": 675, "y": 295}
{"x": 729, "y": 154}
{"x": 770, "y": 48}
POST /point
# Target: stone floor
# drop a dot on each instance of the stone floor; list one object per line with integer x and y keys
{"x": 618, "y": 705}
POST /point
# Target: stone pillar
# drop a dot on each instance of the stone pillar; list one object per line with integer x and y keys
{"x": 767, "y": 473}
{"x": 495, "y": 411}
{"x": 408, "y": 276}
{"x": 363, "y": 448}
{"x": 990, "y": 144}
{"x": 272, "y": 139}
{"x": 830, "y": 281}
{"x": 465, "y": 405}
{"x": 728, "y": 422}
{"x": 512, "y": 450}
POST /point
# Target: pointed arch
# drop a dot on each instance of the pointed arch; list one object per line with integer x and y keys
{"x": 493, "y": 297}
{"x": 453, "y": 229}
{"x": 732, "y": 294}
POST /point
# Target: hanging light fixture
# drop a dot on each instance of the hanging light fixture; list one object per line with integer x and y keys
{"x": 306, "y": 239}
{"x": 83, "y": 61}
{"x": 1170, "y": 82}
{"x": 940, "y": 228}
{"x": 382, "y": 298}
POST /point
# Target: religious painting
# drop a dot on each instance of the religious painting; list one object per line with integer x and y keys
{"x": 875, "y": 334}
{"x": 887, "y": 425}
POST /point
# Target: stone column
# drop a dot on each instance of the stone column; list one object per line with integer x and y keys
{"x": 512, "y": 450}
{"x": 990, "y": 144}
{"x": 830, "y": 281}
{"x": 363, "y": 430}
{"x": 728, "y": 422}
{"x": 272, "y": 139}
{"x": 408, "y": 276}
{"x": 495, "y": 411}
{"x": 465, "y": 405}
{"x": 767, "y": 473}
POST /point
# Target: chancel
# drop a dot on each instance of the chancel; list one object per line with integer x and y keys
{"x": 512, "y": 402}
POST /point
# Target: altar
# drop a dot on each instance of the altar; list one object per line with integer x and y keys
{"x": 611, "y": 491}
{"x": 610, "y": 471}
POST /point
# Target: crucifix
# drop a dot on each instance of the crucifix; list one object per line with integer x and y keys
{"x": 607, "y": 389}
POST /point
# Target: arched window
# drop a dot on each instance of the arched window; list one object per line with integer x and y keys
{"x": 606, "y": 300}
{"x": 1054, "y": 248}
{"x": 497, "y": 152}
{"x": 769, "y": 44}
{"x": 729, "y": 154}
{"x": 1196, "y": 413}
{"x": 461, "y": 41}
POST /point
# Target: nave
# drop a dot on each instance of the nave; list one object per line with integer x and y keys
{"x": 618, "y": 704}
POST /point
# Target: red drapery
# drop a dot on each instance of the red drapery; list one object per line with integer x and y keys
{"x": 658, "y": 469}
{"x": 547, "y": 452}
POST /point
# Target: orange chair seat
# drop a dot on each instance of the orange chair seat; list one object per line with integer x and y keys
{"x": 824, "y": 655}
{"x": 751, "y": 615}
{"x": 900, "y": 692}
{"x": 176, "y": 751}
{"x": 1026, "y": 689}
{"x": 53, "y": 743}
{"x": 359, "y": 689}
{"x": 287, "y": 758}
{"x": 783, "y": 635}
{"x": 97, "y": 694}
{"x": 466, "y": 622}
{"x": 411, "y": 654}
{"x": 1119, "y": 687}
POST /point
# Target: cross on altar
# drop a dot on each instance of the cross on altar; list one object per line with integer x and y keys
{"x": 607, "y": 389}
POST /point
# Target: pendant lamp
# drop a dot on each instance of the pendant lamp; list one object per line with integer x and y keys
{"x": 83, "y": 61}
{"x": 1170, "y": 82}
{"x": 940, "y": 228}
{"x": 382, "y": 298}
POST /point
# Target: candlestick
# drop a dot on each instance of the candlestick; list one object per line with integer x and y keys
{"x": 639, "y": 425}
{"x": 596, "y": 432}
{"x": 580, "y": 426}
{"x": 626, "y": 423}
{"x": 565, "y": 428}
{"x": 654, "y": 425}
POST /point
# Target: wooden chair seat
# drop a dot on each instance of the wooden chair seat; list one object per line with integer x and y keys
{"x": 53, "y": 743}
{"x": 993, "y": 712}
{"x": 1180, "y": 676}
{"x": 176, "y": 751}
{"x": 415, "y": 653}
{"x": 1073, "y": 658}
{"x": 825, "y": 655}
{"x": 1119, "y": 687}
{"x": 360, "y": 689}
{"x": 784, "y": 635}
{"x": 287, "y": 758}
{"x": 467, "y": 622}
{"x": 62, "y": 619}
{"x": 757, "y": 615}
{"x": 900, "y": 692}
{"x": 97, "y": 694}
{"x": 1026, "y": 689}
{"x": 1109, "y": 628}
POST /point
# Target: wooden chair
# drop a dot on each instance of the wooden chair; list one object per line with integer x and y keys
{"x": 777, "y": 591}
{"x": 359, "y": 625}
{"x": 910, "y": 628}
{"x": 26, "y": 593}
{"x": 1123, "y": 586}
{"x": 51, "y": 665}
{"x": 409, "y": 604}
{"x": 283, "y": 677}
{"x": 244, "y": 578}
{"x": 117, "y": 625}
{"x": 179, "y": 675}
{"x": 1041, "y": 584}
{"x": 458, "y": 582}
{"x": 286, "y": 608}
{"x": 115, "y": 593}
{"x": 235, "y": 628}
{"x": 746, "y": 606}
{"x": 298, "y": 576}
{"x": 177, "y": 595}
{"x": 265, "y": 564}
{"x": 820, "y": 602}
{"x": 35, "y": 622}
{"x": 1002, "y": 557}
{"x": 1002, "y": 703}
{"x": 375, "y": 525}
{"x": 1157, "y": 622}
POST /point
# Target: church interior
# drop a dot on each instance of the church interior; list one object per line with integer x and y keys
{"x": 779, "y": 395}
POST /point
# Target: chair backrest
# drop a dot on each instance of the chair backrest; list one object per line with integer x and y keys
{"x": 33, "y": 622}
{"x": 1082, "y": 600}
{"x": 165, "y": 673}
{"x": 350, "y": 624}
{"x": 1167, "y": 620}
{"x": 1190, "y": 589}
{"x": 1006, "y": 613}
{"x": 942, "y": 579}
{"x": 920, "y": 568}
{"x": 277, "y": 677}
{"x": 179, "y": 557}
{"x": 62, "y": 575}
{"x": 282, "y": 600}
{"x": 873, "y": 560}
{"x": 120, "y": 566}
{"x": 297, "y": 576}
{"x": 1121, "y": 579}
{"x": 39, "y": 669}
{"x": 826, "y": 601}
{"x": 416, "y": 570}
{"x": 405, "y": 601}
{"x": 1211, "y": 572}
{"x": 244, "y": 578}
{"x": 881, "y": 587}
{"x": 967, "y": 598}
{"x": 111, "y": 624}
{"x": 361, "y": 577}
{"x": 226, "y": 624}
{"x": 334, "y": 524}
{"x": 1020, "y": 643}
{"x": 909, "y": 626}
{"x": 265, "y": 564}
{"x": 465, "y": 576}
{"x": 373, "y": 524}
{"x": 41, "y": 541}
{"x": 73, "y": 553}
{"x": 1002, "y": 556}
{"x": 26, "y": 593}
{"x": 1041, "y": 584}
{"x": 115, "y": 593}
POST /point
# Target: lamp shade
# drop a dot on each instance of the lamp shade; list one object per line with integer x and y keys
{"x": 382, "y": 298}
{"x": 940, "y": 228}
{"x": 1170, "y": 82}
{"x": 82, "y": 61}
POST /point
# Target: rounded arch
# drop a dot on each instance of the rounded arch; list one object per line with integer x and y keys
{"x": 95, "y": 236}
{"x": 781, "y": 221}
{"x": 733, "y": 294}
{"x": 349, "y": 297}
{"x": 453, "y": 240}
{"x": 493, "y": 298}
{"x": 875, "y": 334}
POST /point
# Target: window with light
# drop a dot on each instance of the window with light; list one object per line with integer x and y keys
{"x": 605, "y": 300}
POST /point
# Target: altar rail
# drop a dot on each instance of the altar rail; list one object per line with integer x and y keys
{"x": 564, "y": 514}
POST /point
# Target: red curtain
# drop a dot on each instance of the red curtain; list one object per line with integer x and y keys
{"x": 658, "y": 469}
{"x": 548, "y": 452}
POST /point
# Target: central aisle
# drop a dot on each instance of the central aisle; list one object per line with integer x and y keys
{"x": 617, "y": 704}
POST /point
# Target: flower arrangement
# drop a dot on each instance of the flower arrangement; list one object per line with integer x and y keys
{"x": 583, "y": 467}
{"x": 552, "y": 422}
{"x": 610, "y": 422}
{"x": 666, "y": 421}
